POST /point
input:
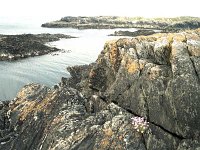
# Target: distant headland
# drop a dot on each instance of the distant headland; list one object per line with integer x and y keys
{"x": 110, "y": 22}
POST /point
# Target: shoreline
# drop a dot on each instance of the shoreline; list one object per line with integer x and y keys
{"x": 13, "y": 47}
{"x": 138, "y": 77}
{"x": 111, "y": 22}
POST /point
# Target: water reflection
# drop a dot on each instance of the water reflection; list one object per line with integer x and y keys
{"x": 48, "y": 69}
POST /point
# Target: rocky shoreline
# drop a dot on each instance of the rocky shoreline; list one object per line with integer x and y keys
{"x": 156, "y": 77}
{"x": 110, "y": 22}
{"x": 13, "y": 47}
{"x": 134, "y": 33}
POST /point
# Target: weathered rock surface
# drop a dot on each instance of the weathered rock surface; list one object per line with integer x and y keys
{"x": 40, "y": 118}
{"x": 156, "y": 77}
{"x": 109, "y": 22}
{"x": 14, "y": 47}
{"x": 133, "y": 34}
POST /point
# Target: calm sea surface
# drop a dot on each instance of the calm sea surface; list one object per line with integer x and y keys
{"x": 48, "y": 69}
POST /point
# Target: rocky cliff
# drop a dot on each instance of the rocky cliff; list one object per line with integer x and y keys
{"x": 157, "y": 77}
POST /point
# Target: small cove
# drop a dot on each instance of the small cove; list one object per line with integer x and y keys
{"x": 48, "y": 69}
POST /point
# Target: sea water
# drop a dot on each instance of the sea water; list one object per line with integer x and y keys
{"x": 48, "y": 69}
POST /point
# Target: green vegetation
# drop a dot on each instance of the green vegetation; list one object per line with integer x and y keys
{"x": 107, "y": 22}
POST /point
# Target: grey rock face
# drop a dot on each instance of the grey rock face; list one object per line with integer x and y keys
{"x": 156, "y": 77}
{"x": 61, "y": 121}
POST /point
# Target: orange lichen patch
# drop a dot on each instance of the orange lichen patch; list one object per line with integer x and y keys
{"x": 114, "y": 55}
{"x": 194, "y": 50}
{"x": 174, "y": 52}
{"x": 155, "y": 72}
{"x": 108, "y": 43}
{"x": 27, "y": 90}
{"x": 108, "y": 132}
{"x": 104, "y": 143}
{"x": 169, "y": 46}
{"x": 46, "y": 102}
{"x": 18, "y": 102}
{"x": 197, "y": 30}
{"x": 123, "y": 41}
{"x": 170, "y": 37}
{"x": 79, "y": 136}
{"x": 142, "y": 65}
{"x": 177, "y": 48}
{"x": 146, "y": 38}
{"x": 30, "y": 107}
{"x": 100, "y": 60}
{"x": 119, "y": 147}
{"x": 120, "y": 137}
{"x": 160, "y": 39}
{"x": 193, "y": 36}
{"x": 113, "y": 52}
{"x": 26, "y": 110}
{"x": 193, "y": 41}
{"x": 132, "y": 66}
{"x": 114, "y": 143}
{"x": 57, "y": 119}
{"x": 180, "y": 37}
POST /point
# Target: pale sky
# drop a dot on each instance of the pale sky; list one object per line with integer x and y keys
{"x": 61, "y": 8}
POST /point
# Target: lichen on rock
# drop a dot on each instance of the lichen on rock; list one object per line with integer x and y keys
{"x": 155, "y": 77}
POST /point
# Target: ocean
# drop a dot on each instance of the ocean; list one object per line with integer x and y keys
{"x": 48, "y": 69}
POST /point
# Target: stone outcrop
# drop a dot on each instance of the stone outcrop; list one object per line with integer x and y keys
{"x": 133, "y": 34}
{"x": 99, "y": 22}
{"x": 40, "y": 118}
{"x": 156, "y": 77}
{"x": 110, "y": 22}
{"x": 14, "y": 47}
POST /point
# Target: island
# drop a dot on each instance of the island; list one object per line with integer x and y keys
{"x": 133, "y": 34}
{"x": 13, "y": 47}
{"x": 110, "y": 22}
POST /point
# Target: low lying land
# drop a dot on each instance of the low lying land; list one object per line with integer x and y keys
{"x": 134, "y": 33}
{"x": 109, "y": 22}
{"x": 14, "y": 47}
{"x": 156, "y": 77}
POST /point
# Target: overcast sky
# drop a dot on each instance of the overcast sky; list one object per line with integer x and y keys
{"x": 61, "y": 8}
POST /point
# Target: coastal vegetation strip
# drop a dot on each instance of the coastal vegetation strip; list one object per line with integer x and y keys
{"x": 109, "y": 22}
{"x": 133, "y": 34}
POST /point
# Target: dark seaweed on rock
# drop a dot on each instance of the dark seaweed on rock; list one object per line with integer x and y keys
{"x": 26, "y": 45}
{"x": 133, "y": 34}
